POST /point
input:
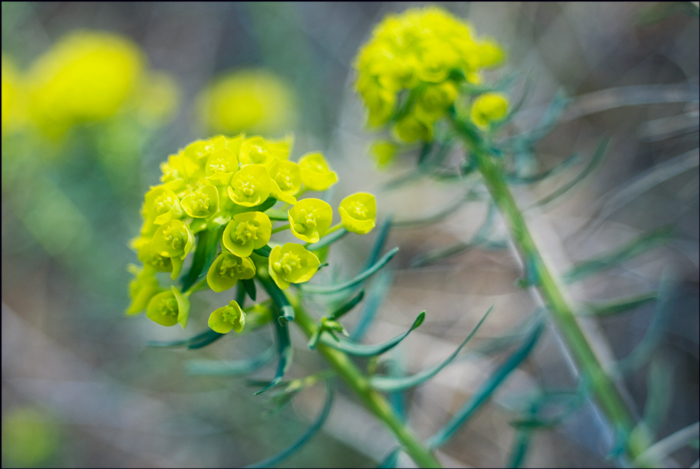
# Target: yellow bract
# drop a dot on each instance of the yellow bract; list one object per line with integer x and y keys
{"x": 227, "y": 269}
{"x": 141, "y": 289}
{"x": 169, "y": 308}
{"x": 247, "y": 101}
{"x": 309, "y": 219}
{"x": 315, "y": 172}
{"x": 230, "y": 317}
{"x": 292, "y": 263}
{"x": 247, "y": 231}
{"x": 488, "y": 108}
{"x": 358, "y": 212}
{"x": 250, "y": 186}
{"x": 427, "y": 52}
{"x": 173, "y": 239}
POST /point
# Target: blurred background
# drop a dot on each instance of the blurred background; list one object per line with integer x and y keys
{"x": 83, "y": 135}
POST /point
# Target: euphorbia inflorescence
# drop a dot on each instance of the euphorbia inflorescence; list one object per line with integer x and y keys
{"x": 219, "y": 194}
{"x": 413, "y": 68}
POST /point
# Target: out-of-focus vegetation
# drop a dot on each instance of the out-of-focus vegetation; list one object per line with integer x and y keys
{"x": 96, "y": 95}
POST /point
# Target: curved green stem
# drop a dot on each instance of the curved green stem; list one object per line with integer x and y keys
{"x": 372, "y": 399}
{"x": 606, "y": 393}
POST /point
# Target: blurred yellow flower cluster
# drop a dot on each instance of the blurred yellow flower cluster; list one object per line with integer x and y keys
{"x": 410, "y": 71}
{"x": 86, "y": 76}
{"x": 254, "y": 101}
{"x": 227, "y": 188}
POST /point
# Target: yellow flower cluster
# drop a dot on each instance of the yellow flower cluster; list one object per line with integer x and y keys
{"x": 418, "y": 60}
{"x": 89, "y": 76}
{"x": 229, "y": 186}
{"x": 253, "y": 101}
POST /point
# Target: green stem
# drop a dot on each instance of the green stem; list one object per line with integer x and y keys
{"x": 372, "y": 399}
{"x": 607, "y": 394}
{"x": 281, "y": 228}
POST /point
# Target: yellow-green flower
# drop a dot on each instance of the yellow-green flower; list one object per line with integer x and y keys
{"x": 257, "y": 150}
{"x": 292, "y": 263}
{"x": 13, "y": 96}
{"x": 141, "y": 289}
{"x": 309, "y": 219}
{"x": 315, "y": 172}
{"x": 230, "y": 317}
{"x": 358, "y": 212}
{"x": 87, "y": 75}
{"x": 246, "y": 232}
{"x": 202, "y": 202}
{"x": 162, "y": 205}
{"x": 287, "y": 178}
{"x": 253, "y": 101}
{"x": 227, "y": 269}
{"x": 173, "y": 239}
{"x": 169, "y": 308}
{"x": 409, "y": 129}
{"x": 148, "y": 256}
{"x": 222, "y": 163}
{"x": 435, "y": 100}
{"x": 488, "y": 108}
{"x": 250, "y": 186}
{"x": 383, "y": 152}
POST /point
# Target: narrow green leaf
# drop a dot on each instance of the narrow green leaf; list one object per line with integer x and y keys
{"x": 658, "y": 451}
{"x": 249, "y": 286}
{"x": 269, "y": 202}
{"x": 326, "y": 240}
{"x": 303, "y": 439}
{"x": 592, "y": 164}
{"x": 486, "y": 390}
{"x": 362, "y": 350}
{"x": 378, "y": 243}
{"x": 376, "y": 295}
{"x": 568, "y": 162}
{"x": 329, "y": 289}
{"x": 284, "y": 345}
{"x": 240, "y": 294}
{"x": 634, "y": 248}
{"x": 204, "y": 336}
{"x": 520, "y": 446}
{"x": 388, "y": 384}
{"x": 610, "y": 308}
{"x": 204, "y": 254}
{"x": 230, "y": 367}
{"x": 203, "y": 343}
{"x": 347, "y": 306}
{"x": 424, "y": 168}
{"x": 391, "y": 459}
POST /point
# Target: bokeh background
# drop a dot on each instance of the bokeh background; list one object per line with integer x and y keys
{"x": 81, "y": 389}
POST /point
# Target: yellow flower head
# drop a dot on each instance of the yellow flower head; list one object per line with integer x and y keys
{"x": 292, "y": 263}
{"x": 315, "y": 173}
{"x": 286, "y": 175}
{"x": 426, "y": 50}
{"x": 358, "y": 212}
{"x": 87, "y": 75}
{"x": 141, "y": 289}
{"x": 250, "y": 186}
{"x": 309, "y": 219}
{"x": 161, "y": 205}
{"x": 202, "y": 202}
{"x": 227, "y": 269}
{"x": 169, "y": 308}
{"x": 257, "y": 150}
{"x": 246, "y": 232}
{"x": 488, "y": 108}
{"x": 253, "y": 101}
{"x": 230, "y": 317}
{"x": 13, "y": 96}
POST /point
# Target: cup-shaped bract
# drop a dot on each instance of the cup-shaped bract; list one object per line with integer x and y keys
{"x": 247, "y": 231}
{"x": 257, "y": 150}
{"x": 309, "y": 219}
{"x": 202, "y": 202}
{"x": 250, "y": 186}
{"x": 434, "y": 100}
{"x": 230, "y": 317}
{"x": 292, "y": 263}
{"x": 173, "y": 239}
{"x": 287, "y": 177}
{"x": 358, "y": 212}
{"x": 169, "y": 308}
{"x": 227, "y": 269}
{"x": 315, "y": 172}
{"x": 162, "y": 205}
{"x": 222, "y": 163}
{"x": 410, "y": 129}
{"x": 141, "y": 289}
{"x": 148, "y": 256}
{"x": 488, "y": 108}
